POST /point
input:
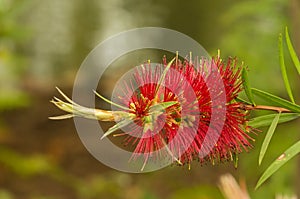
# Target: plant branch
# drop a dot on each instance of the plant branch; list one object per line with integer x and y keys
{"x": 265, "y": 107}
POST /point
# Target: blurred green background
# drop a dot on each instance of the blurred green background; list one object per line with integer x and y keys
{"x": 42, "y": 44}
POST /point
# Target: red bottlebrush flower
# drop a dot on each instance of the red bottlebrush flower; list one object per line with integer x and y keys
{"x": 180, "y": 110}
{"x": 176, "y": 115}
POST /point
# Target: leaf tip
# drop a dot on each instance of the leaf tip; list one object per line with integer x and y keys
{"x": 259, "y": 161}
{"x": 102, "y": 137}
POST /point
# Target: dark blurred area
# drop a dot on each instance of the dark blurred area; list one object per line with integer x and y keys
{"x": 42, "y": 45}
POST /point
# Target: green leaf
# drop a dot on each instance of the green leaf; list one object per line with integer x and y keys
{"x": 110, "y": 102}
{"x": 268, "y": 137}
{"x": 161, "y": 106}
{"x": 235, "y": 160}
{"x": 238, "y": 99}
{"x": 283, "y": 69}
{"x": 61, "y": 117}
{"x": 277, "y": 100}
{"x": 162, "y": 78}
{"x": 116, "y": 127}
{"x": 247, "y": 85}
{"x": 66, "y": 97}
{"x": 266, "y": 120}
{"x": 292, "y": 50}
{"x": 279, "y": 162}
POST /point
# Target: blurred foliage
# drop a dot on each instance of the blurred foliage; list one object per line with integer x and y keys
{"x": 12, "y": 63}
{"x": 252, "y": 30}
{"x": 204, "y": 192}
{"x": 24, "y": 166}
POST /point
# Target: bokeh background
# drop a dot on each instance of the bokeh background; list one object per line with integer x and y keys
{"x": 43, "y": 43}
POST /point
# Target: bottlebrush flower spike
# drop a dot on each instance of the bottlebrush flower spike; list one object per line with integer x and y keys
{"x": 172, "y": 110}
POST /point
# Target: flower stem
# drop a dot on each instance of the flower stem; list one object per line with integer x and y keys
{"x": 265, "y": 107}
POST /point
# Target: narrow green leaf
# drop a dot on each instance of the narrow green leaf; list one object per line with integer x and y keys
{"x": 283, "y": 69}
{"x": 161, "y": 106}
{"x": 292, "y": 50}
{"x": 162, "y": 78}
{"x": 110, "y": 102}
{"x": 116, "y": 127}
{"x": 65, "y": 96}
{"x": 266, "y": 120}
{"x": 277, "y": 100}
{"x": 235, "y": 160}
{"x": 247, "y": 86}
{"x": 267, "y": 139}
{"x": 61, "y": 117}
{"x": 65, "y": 106}
{"x": 242, "y": 100}
{"x": 279, "y": 162}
